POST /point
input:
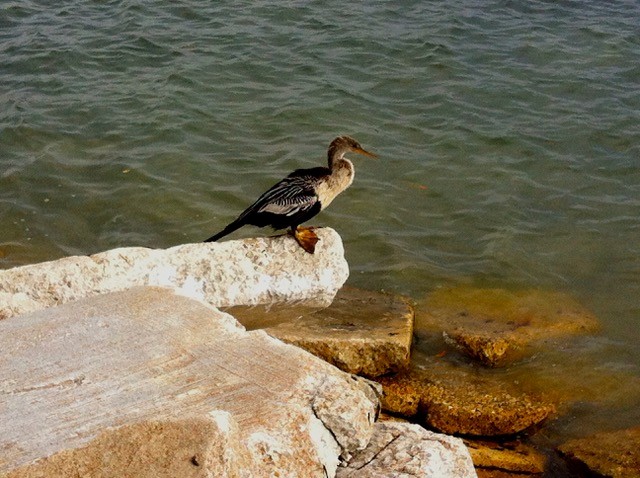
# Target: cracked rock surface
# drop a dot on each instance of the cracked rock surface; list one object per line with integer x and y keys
{"x": 407, "y": 450}
{"x": 152, "y": 383}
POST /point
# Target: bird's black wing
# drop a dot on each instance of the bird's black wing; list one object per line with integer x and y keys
{"x": 290, "y": 202}
{"x": 292, "y": 196}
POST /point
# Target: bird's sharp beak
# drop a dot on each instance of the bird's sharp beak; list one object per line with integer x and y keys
{"x": 366, "y": 153}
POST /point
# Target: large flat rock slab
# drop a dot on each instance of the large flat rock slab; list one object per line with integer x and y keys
{"x": 362, "y": 332}
{"x": 251, "y": 271}
{"x": 168, "y": 386}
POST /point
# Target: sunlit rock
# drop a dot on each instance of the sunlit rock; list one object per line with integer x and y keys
{"x": 613, "y": 454}
{"x": 362, "y": 332}
{"x": 408, "y": 450}
{"x": 181, "y": 447}
{"x": 250, "y": 271}
{"x": 496, "y": 326}
{"x": 149, "y": 383}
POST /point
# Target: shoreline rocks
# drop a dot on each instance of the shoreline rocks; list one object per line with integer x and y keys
{"x": 124, "y": 380}
{"x": 451, "y": 384}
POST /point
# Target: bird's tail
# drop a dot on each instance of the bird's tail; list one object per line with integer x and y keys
{"x": 227, "y": 230}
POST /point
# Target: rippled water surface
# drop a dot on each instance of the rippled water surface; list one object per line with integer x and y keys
{"x": 507, "y": 133}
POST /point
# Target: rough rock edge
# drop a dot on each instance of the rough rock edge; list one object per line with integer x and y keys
{"x": 612, "y": 454}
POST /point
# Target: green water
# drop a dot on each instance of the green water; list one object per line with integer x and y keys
{"x": 508, "y": 135}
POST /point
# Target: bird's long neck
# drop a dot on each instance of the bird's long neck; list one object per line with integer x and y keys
{"x": 340, "y": 178}
{"x": 336, "y": 157}
{"x": 334, "y": 154}
{"x": 340, "y": 166}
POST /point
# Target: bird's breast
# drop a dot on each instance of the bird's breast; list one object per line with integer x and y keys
{"x": 333, "y": 185}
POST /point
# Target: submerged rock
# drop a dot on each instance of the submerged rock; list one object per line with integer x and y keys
{"x": 150, "y": 383}
{"x": 496, "y": 326}
{"x": 408, "y": 450}
{"x": 249, "y": 271}
{"x": 613, "y": 454}
{"x": 361, "y": 332}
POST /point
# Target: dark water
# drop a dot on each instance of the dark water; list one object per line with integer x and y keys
{"x": 508, "y": 133}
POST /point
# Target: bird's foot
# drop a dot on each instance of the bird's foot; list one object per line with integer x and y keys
{"x": 306, "y": 238}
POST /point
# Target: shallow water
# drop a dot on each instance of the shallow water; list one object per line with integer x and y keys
{"x": 507, "y": 132}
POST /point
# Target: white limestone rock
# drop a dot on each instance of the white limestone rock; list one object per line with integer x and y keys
{"x": 252, "y": 271}
{"x": 149, "y": 383}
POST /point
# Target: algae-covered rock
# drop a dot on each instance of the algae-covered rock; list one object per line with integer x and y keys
{"x": 505, "y": 459}
{"x": 457, "y": 403}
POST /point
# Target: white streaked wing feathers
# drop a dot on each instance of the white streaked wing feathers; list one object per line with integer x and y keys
{"x": 289, "y": 206}
{"x": 290, "y": 196}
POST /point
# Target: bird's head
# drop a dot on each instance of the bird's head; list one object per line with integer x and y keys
{"x": 345, "y": 144}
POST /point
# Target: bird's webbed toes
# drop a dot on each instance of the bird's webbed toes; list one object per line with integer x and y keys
{"x": 307, "y": 239}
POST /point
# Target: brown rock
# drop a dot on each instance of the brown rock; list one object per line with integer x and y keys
{"x": 487, "y": 349}
{"x": 496, "y": 326}
{"x": 500, "y": 459}
{"x": 458, "y": 404}
{"x": 408, "y": 450}
{"x": 490, "y": 473}
{"x": 149, "y": 383}
{"x": 613, "y": 454}
{"x": 361, "y": 332}
{"x": 473, "y": 410}
{"x": 401, "y": 394}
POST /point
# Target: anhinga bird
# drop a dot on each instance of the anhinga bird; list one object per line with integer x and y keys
{"x": 302, "y": 195}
